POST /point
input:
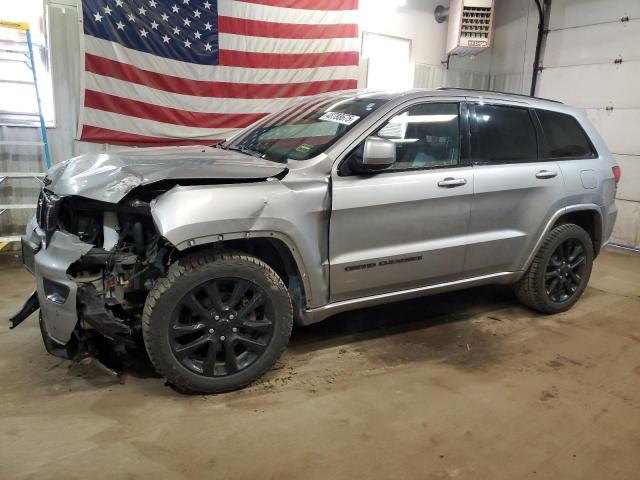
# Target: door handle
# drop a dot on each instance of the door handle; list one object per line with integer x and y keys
{"x": 546, "y": 174}
{"x": 451, "y": 182}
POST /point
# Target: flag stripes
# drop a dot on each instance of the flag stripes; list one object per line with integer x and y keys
{"x": 171, "y": 72}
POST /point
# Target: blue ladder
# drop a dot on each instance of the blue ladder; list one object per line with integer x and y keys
{"x": 24, "y": 27}
{"x": 43, "y": 130}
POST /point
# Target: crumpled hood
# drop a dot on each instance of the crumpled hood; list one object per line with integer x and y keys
{"x": 109, "y": 176}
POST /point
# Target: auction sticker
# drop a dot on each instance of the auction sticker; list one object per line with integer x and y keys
{"x": 304, "y": 148}
{"x": 338, "y": 117}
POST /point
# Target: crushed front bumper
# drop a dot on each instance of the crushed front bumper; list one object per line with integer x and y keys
{"x": 56, "y": 289}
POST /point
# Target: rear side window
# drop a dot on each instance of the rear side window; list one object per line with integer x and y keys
{"x": 564, "y": 137}
{"x": 503, "y": 134}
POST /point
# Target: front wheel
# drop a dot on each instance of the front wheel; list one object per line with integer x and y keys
{"x": 559, "y": 272}
{"x": 216, "y": 322}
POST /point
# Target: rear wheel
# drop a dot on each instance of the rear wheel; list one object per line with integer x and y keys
{"x": 217, "y": 323}
{"x": 559, "y": 272}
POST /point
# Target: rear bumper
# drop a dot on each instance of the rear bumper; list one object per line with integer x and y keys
{"x": 609, "y": 215}
{"x": 56, "y": 289}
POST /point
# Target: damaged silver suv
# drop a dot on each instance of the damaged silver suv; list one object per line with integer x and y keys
{"x": 208, "y": 255}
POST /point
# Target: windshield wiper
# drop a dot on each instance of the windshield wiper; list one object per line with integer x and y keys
{"x": 256, "y": 153}
{"x": 246, "y": 151}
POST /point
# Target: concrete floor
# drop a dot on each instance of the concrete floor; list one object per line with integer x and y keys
{"x": 463, "y": 385}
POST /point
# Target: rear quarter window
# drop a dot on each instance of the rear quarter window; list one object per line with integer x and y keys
{"x": 564, "y": 137}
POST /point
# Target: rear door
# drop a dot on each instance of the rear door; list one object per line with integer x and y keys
{"x": 515, "y": 191}
{"x": 404, "y": 227}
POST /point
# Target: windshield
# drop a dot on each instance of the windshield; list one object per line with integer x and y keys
{"x": 304, "y": 131}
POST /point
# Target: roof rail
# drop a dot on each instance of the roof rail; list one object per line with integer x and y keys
{"x": 494, "y": 91}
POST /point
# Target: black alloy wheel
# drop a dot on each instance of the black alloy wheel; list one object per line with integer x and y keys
{"x": 216, "y": 321}
{"x": 565, "y": 270}
{"x": 221, "y": 327}
{"x": 558, "y": 275}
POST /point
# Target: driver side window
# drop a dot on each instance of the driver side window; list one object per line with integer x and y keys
{"x": 425, "y": 135}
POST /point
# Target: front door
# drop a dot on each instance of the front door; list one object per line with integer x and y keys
{"x": 404, "y": 227}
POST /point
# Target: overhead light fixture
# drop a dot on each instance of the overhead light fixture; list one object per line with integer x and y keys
{"x": 390, "y": 5}
{"x": 399, "y": 3}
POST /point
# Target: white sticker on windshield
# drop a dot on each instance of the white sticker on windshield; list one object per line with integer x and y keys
{"x": 337, "y": 117}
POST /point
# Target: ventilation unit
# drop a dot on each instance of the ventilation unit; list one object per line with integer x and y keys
{"x": 470, "y": 26}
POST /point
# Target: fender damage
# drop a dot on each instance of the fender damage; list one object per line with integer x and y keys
{"x": 294, "y": 210}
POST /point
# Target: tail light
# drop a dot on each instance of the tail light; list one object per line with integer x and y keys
{"x": 617, "y": 173}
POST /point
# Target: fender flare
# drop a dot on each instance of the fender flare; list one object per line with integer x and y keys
{"x": 220, "y": 238}
{"x": 552, "y": 221}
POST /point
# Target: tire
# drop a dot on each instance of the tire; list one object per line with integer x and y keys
{"x": 196, "y": 328}
{"x": 549, "y": 285}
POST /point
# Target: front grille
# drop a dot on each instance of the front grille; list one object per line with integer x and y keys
{"x": 48, "y": 208}
{"x": 40, "y": 209}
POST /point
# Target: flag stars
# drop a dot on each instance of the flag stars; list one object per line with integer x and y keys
{"x": 151, "y": 17}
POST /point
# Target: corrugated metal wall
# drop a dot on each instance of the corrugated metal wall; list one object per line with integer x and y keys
{"x": 584, "y": 42}
{"x": 64, "y": 43}
{"x": 434, "y": 76}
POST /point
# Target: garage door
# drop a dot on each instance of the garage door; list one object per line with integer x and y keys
{"x": 592, "y": 60}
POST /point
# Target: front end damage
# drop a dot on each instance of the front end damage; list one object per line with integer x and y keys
{"x": 94, "y": 263}
{"x": 96, "y": 250}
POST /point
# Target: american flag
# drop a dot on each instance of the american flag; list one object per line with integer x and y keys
{"x": 195, "y": 71}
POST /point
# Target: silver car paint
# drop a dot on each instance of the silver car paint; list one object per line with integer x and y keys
{"x": 108, "y": 177}
{"x": 317, "y": 213}
{"x": 294, "y": 210}
{"x": 403, "y": 219}
{"x": 509, "y": 203}
{"x": 572, "y": 198}
{"x": 52, "y": 263}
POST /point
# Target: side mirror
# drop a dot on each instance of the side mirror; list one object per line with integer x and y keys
{"x": 378, "y": 154}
